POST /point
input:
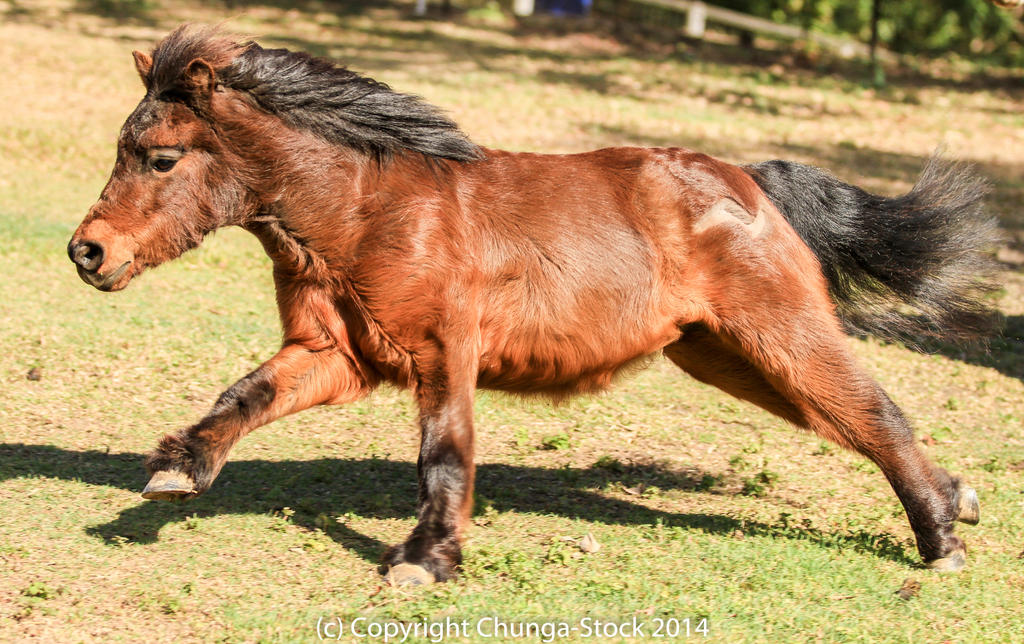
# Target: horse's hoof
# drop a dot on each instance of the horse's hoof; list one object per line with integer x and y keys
{"x": 408, "y": 575}
{"x": 951, "y": 563}
{"x": 969, "y": 510}
{"x": 169, "y": 485}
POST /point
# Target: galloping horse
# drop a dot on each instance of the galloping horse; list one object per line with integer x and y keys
{"x": 405, "y": 253}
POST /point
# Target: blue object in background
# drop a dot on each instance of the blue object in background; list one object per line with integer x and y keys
{"x": 564, "y": 7}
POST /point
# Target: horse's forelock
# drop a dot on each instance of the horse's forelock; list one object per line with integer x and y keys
{"x": 173, "y": 54}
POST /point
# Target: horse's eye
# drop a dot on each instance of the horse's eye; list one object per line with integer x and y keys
{"x": 163, "y": 164}
{"x": 162, "y": 159}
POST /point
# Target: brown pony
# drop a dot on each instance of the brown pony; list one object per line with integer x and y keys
{"x": 404, "y": 253}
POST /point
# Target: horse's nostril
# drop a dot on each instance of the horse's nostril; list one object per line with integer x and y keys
{"x": 87, "y": 254}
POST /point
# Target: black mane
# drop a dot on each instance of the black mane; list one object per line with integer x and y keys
{"x": 314, "y": 94}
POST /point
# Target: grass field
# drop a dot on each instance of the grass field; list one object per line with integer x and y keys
{"x": 705, "y": 507}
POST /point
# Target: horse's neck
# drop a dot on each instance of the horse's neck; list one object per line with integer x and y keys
{"x": 304, "y": 217}
{"x": 323, "y": 209}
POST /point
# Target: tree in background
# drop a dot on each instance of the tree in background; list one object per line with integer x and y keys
{"x": 968, "y": 27}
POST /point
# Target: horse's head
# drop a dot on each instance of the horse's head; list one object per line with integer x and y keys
{"x": 209, "y": 144}
{"x": 172, "y": 182}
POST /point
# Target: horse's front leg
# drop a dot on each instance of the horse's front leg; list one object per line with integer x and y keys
{"x": 185, "y": 464}
{"x": 445, "y": 469}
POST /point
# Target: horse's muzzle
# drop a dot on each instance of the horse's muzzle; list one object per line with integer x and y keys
{"x": 88, "y": 256}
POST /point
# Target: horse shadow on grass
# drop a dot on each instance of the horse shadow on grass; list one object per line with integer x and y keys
{"x": 381, "y": 488}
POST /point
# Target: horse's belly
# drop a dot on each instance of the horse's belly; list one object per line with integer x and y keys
{"x": 535, "y": 361}
{"x": 564, "y": 313}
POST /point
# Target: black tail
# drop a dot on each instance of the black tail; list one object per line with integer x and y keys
{"x": 902, "y": 268}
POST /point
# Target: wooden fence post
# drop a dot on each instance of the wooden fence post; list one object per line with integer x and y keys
{"x": 696, "y": 20}
{"x": 522, "y": 7}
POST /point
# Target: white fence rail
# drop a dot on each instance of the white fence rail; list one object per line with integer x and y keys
{"x": 698, "y": 14}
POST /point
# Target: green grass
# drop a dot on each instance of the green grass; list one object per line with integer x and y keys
{"x": 704, "y": 507}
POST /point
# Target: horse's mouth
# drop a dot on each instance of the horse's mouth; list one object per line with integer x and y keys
{"x": 107, "y": 282}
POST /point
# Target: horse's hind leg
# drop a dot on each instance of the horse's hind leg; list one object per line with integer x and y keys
{"x": 798, "y": 368}
{"x": 842, "y": 404}
{"x": 701, "y": 353}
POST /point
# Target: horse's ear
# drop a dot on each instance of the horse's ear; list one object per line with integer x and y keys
{"x": 200, "y": 78}
{"x": 143, "y": 64}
